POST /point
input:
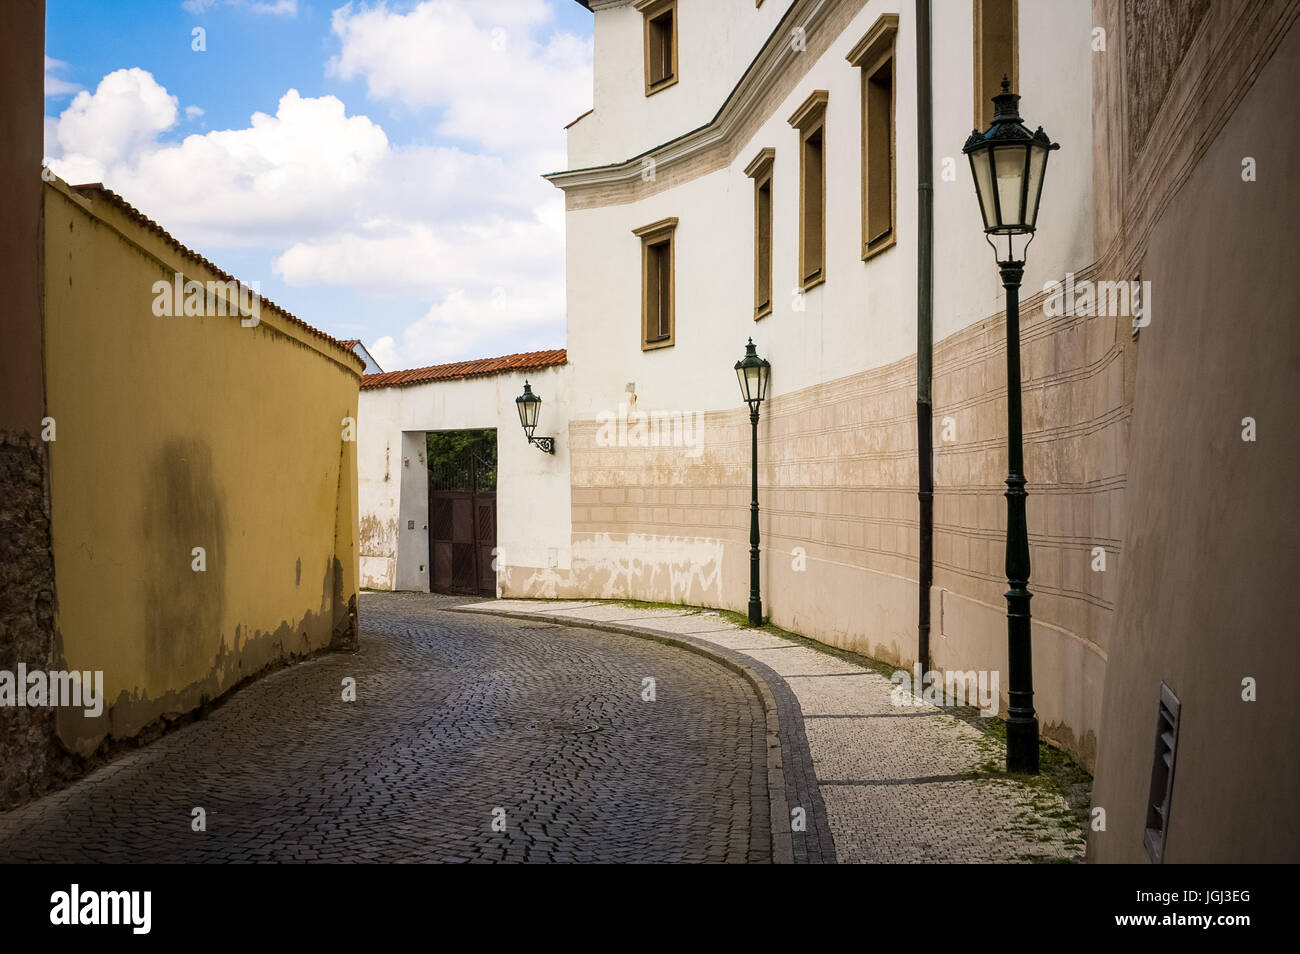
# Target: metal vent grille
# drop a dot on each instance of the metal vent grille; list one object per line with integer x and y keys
{"x": 1162, "y": 775}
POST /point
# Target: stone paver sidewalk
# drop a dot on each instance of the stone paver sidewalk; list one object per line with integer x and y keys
{"x": 888, "y": 783}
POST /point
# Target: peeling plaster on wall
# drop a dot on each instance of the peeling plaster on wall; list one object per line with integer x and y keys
{"x": 378, "y": 573}
{"x": 639, "y": 566}
{"x": 378, "y": 537}
{"x": 135, "y": 717}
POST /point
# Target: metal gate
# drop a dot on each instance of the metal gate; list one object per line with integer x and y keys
{"x": 463, "y": 525}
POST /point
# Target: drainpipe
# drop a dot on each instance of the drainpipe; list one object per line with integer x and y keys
{"x": 924, "y": 328}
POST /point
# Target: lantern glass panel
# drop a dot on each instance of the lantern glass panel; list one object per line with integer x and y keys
{"x": 744, "y": 384}
{"x": 528, "y": 412}
{"x": 1037, "y": 165}
{"x": 980, "y": 166}
{"x": 1009, "y": 168}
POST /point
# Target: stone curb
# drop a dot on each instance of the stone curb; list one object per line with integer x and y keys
{"x": 779, "y": 820}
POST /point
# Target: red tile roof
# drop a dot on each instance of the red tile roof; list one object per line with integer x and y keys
{"x": 96, "y": 189}
{"x": 527, "y": 361}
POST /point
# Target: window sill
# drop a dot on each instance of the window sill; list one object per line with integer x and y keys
{"x": 811, "y": 283}
{"x": 883, "y": 244}
{"x": 763, "y": 310}
{"x": 660, "y": 86}
{"x": 656, "y": 345}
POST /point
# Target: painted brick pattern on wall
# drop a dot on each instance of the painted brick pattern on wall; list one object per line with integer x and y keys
{"x": 838, "y": 509}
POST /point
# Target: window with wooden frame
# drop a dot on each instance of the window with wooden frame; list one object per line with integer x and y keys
{"x": 810, "y": 120}
{"x": 658, "y": 285}
{"x": 760, "y": 170}
{"x": 660, "y": 20}
{"x": 874, "y": 56}
{"x": 996, "y": 54}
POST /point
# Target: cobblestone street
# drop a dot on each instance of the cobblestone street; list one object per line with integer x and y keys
{"x": 879, "y": 782}
{"x": 456, "y": 717}
{"x": 465, "y": 716}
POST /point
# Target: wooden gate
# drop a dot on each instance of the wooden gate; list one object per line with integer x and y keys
{"x": 463, "y": 525}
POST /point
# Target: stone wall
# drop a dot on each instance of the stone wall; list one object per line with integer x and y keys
{"x": 28, "y": 755}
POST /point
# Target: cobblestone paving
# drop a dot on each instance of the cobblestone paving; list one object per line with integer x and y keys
{"x": 899, "y": 784}
{"x": 455, "y": 716}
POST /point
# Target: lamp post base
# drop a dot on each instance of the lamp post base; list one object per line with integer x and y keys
{"x": 755, "y": 613}
{"x": 1022, "y": 745}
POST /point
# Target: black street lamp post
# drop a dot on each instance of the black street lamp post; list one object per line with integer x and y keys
{"x": 753, "y": 372}
{"x": 1008, "y": 163}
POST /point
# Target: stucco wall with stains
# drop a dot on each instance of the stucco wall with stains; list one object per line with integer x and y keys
{"x": 184, "y": 432}
{"x": 1204, "y": 201}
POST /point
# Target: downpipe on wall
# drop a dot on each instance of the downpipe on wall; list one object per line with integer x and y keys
{"x": 924, "y": 330}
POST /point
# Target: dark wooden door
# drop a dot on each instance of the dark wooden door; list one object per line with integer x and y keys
{"x": 463, "y": 526}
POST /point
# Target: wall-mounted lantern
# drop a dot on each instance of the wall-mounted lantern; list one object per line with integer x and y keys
{"x": 529, "y": 406}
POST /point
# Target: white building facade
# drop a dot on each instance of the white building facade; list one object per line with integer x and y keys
{"x": 822, "y": 96}
{"x": 752, "y": 170}
{"x": 395, "y": 413}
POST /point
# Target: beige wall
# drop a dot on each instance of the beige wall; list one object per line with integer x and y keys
{"x": 1207, "y": 593}
{"x": 182, "y": 432}
{"x": 838, "y": 510}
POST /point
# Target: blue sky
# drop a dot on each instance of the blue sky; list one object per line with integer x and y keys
{"x": 389, "y": 187}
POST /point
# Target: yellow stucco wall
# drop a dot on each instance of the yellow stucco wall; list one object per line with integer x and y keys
{"x": 183, "y": 432}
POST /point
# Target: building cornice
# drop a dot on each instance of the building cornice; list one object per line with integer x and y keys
{"x": 761, "y": 162}
{"x": 811, "y": 110}
{"x": 879, "y": 38}
{"x": 770, "y": 78}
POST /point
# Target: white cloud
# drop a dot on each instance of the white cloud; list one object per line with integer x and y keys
{"x": 193, "y": 112}
{"x": 498, "y": 73}
{"x": 125, "y": 113}
{"x": 285, "y": 176}
{"x": 404, "y": 257}
{"x": 54, "y": 85}
{"x": 288, "y": 8}
{"x": 466, "y": 325}
{"x": 466, "y": 223}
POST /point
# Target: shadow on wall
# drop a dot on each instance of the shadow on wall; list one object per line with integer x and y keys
{"x": 186, "y": 510}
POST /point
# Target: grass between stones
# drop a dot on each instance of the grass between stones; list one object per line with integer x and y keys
{"x": 1052, "y": 806}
